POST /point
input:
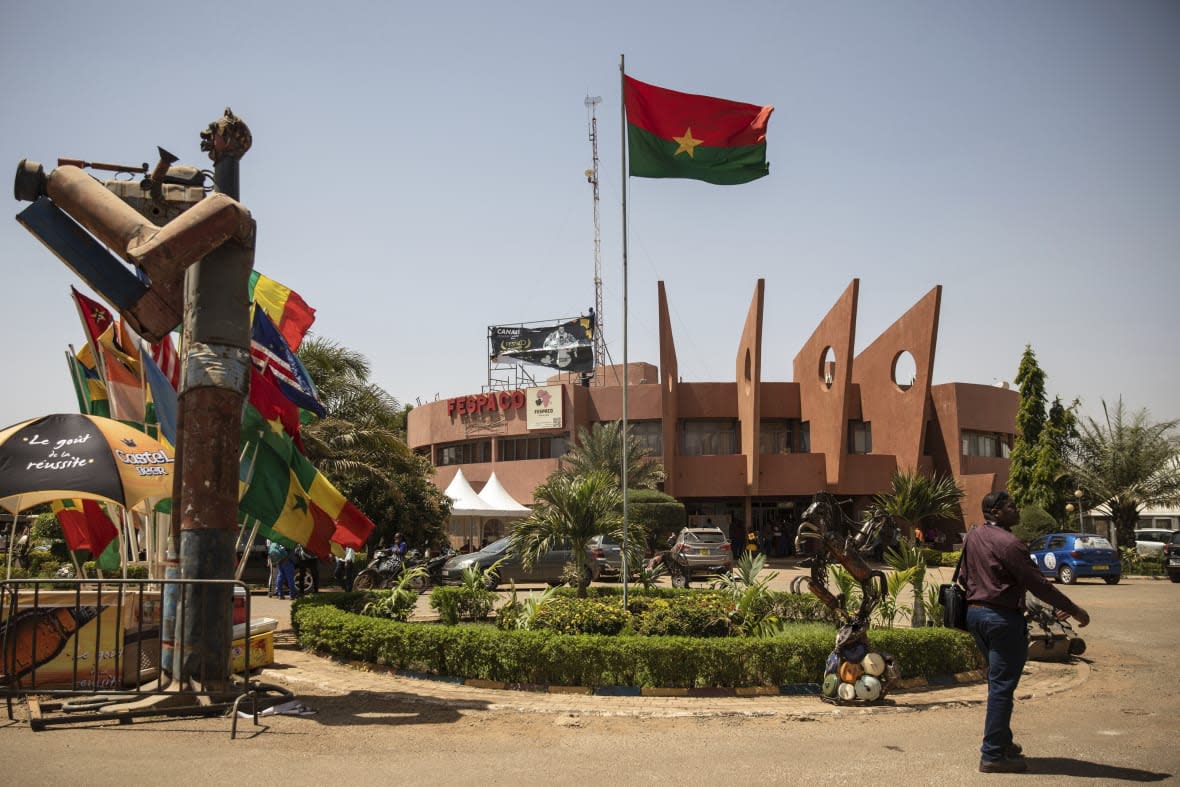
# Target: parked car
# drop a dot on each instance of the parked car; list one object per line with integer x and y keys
{"x": 1172, "y": 557}
{"x": 1150, "y": 541}
{"x": 608, "y": 554}
{"x": 548, "y": 570}
{"x": 699, "y": 551}
{"x": 1067, "y": 556}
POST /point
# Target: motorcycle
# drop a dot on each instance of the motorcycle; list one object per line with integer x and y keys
{"x": 433, "y": 565}
{"x": 383, "y": 571}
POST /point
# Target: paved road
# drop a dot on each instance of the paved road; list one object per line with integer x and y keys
{"x": 1110, "y": 718}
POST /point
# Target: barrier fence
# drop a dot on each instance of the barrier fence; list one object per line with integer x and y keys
{"x": 81, "y": 650}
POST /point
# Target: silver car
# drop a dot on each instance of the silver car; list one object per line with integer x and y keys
{"x": 699, "y": 551}
{"x": 1150, "y": 541}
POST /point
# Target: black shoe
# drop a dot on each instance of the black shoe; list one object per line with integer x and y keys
{"x": 1004, "y": 765}
{"x": 1013, "y": 751}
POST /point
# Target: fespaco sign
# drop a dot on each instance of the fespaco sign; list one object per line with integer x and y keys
{"x": 476, "y": 404}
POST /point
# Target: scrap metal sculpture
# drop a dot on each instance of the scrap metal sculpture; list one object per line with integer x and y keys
{"x": 826, "y": 536}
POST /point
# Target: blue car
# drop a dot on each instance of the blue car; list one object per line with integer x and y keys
{"x": 1068, "y": 556}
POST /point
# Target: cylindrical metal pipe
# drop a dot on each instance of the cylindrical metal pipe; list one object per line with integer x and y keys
{"x": 92, "y": 205}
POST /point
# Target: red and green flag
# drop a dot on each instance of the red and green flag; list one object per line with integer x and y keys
{"x": 288, "y": 495}
{"x": 286, "y": 309}
{"x": 85, "y": 526}
{"x": 682, "y": 135}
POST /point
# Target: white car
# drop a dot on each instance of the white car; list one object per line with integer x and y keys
{"x": 1150, "y": 542}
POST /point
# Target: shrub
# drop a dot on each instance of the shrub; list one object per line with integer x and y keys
{"x": 1143, "y": 565}
{"x": 580, "y": 616}
{"x": 1034, "y": 522}
{"x": 797, "y": 655}
{"x": 462, "y": 603}
{"x": 695, "y": 615}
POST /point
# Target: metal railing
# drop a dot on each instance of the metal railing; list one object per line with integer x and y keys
{"x": 84, "y": 650}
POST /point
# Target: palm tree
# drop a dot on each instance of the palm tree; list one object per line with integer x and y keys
{"x": 359, "y": 446}
{"x": 912, "y": 498}
{"x": 570, "y": 509}
{"x": 1126, "y": 464}
{"x": 600, "y": 449}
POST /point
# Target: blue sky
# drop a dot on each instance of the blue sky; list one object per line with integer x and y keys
{"x": 417, "y": 175}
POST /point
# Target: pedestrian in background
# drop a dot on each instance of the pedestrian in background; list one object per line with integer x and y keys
{"x": 996, "y": 571}
{"x": 345, "y": 571}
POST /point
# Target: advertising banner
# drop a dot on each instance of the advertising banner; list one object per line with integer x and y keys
{"x": 544, "y": 407}
{"x": 567, "y": 346}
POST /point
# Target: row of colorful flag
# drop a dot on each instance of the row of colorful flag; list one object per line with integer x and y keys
{"x": 120, "y": 376}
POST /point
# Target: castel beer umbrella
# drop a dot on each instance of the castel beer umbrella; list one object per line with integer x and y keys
{"x": 64, "y": 456}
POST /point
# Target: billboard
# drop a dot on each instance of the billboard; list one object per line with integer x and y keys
{"x": 566, "y": 346}
{"x": 544, "y": 407}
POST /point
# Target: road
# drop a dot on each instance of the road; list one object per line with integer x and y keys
{"x": 1116, "y": 721}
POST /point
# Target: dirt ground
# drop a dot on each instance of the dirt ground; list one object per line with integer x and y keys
{"x": 1110, "y": 717}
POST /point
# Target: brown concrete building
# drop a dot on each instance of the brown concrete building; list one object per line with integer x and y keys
{"x": 750, "y": 451}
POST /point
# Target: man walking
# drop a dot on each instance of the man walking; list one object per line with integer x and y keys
{"x": 996, "y": 571}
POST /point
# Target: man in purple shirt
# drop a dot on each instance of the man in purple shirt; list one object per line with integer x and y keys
{"x": 997, "y": 570}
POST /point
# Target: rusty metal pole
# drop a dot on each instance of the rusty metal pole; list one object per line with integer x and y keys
{"x": 214, "y": 380}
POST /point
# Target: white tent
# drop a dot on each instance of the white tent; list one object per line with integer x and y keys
{"x": 496, "y": 496}
{"x": 470, "y": 511}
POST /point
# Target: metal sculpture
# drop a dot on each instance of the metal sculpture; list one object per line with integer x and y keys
{"x": 826, "y": 536}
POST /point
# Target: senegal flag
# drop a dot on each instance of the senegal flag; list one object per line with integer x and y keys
{"x": 681, "y": 135}
{"x": 288, "y": 495}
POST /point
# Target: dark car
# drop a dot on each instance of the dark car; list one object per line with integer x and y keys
{"x": 1172, "y": 557}
{"x": 549, "y": 570}
{"x": 1067, "y": 556}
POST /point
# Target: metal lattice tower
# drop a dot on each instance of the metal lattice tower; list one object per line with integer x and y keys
{"x": 600, "y": 358}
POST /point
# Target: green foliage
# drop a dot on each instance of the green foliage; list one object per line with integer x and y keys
{"x": 908, "y": 559}
{"x": 688, "y": 615}
{"x": 46, "y": 532}
{"x": 471, "y": 600}
{"x": 1035, "y": 522}
{"x": 1030, "y": 420}
{"x": 913, "y": 498}
{"x": 520, "y": 614}
{"x": 1050, "y": 485}
{"x": 1126, "y": 464}
{"x": 571, "y": 509}
{"x": 1141, "y": 565}
{"x": 847, "y": 588}
{"x": 579, "y": 616}
{"x": 796, "y": 655}
{"x": 895, "y": 583}
{"x": 398, "y": 601}
{"x": 655, "y": 511}
{"x": 753, "y": 614}
{"x": 600, "y": 450}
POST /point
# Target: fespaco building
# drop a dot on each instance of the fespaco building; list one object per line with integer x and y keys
{"x": 750, "y": 451}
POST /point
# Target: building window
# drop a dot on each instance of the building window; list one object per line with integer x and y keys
{"x": 649, "y": 434}
{"x": 465, "y": 453}
{"x": 987, "y": 444}
{"x": 860, "y": 437}
{"x": 515, "y": 449}
{"x": 784, "y": 436}
{"x": 709, "y": 438}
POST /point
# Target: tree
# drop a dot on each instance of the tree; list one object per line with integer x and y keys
{"x": 1050, "y": 485}
{"x": 600, "y": 449}
{"x": 359, "y": 446}
{"x": 1030, "y": 420}
{"x": 573, "y": 509}
{"x": 1125, "y": 463}
{"x": 911, "y": 499}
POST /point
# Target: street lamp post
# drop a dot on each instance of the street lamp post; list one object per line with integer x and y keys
{"x": 1078, "y": 495}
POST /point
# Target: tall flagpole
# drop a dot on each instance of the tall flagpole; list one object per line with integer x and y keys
{"x": 626, "y": 435}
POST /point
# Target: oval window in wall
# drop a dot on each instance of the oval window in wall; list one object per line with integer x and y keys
{"x": 827, "y": 367}
{"x": 905, "y": 370}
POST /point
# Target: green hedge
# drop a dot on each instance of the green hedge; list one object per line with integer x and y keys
{"x": 546, "y": 657}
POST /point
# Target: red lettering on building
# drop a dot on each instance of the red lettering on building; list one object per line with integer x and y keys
{"x": 479, "y": 403}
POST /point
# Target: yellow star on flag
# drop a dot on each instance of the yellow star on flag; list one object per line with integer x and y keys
{"x": 687, "y": 143}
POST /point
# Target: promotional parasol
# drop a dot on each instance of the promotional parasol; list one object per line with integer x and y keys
{"x": 63, "y": 456}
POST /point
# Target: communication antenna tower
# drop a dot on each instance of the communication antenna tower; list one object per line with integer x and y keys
{"x": 600, "y": 355}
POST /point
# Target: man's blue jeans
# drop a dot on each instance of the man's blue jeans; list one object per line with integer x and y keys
{"x": 1002, "y": 635}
